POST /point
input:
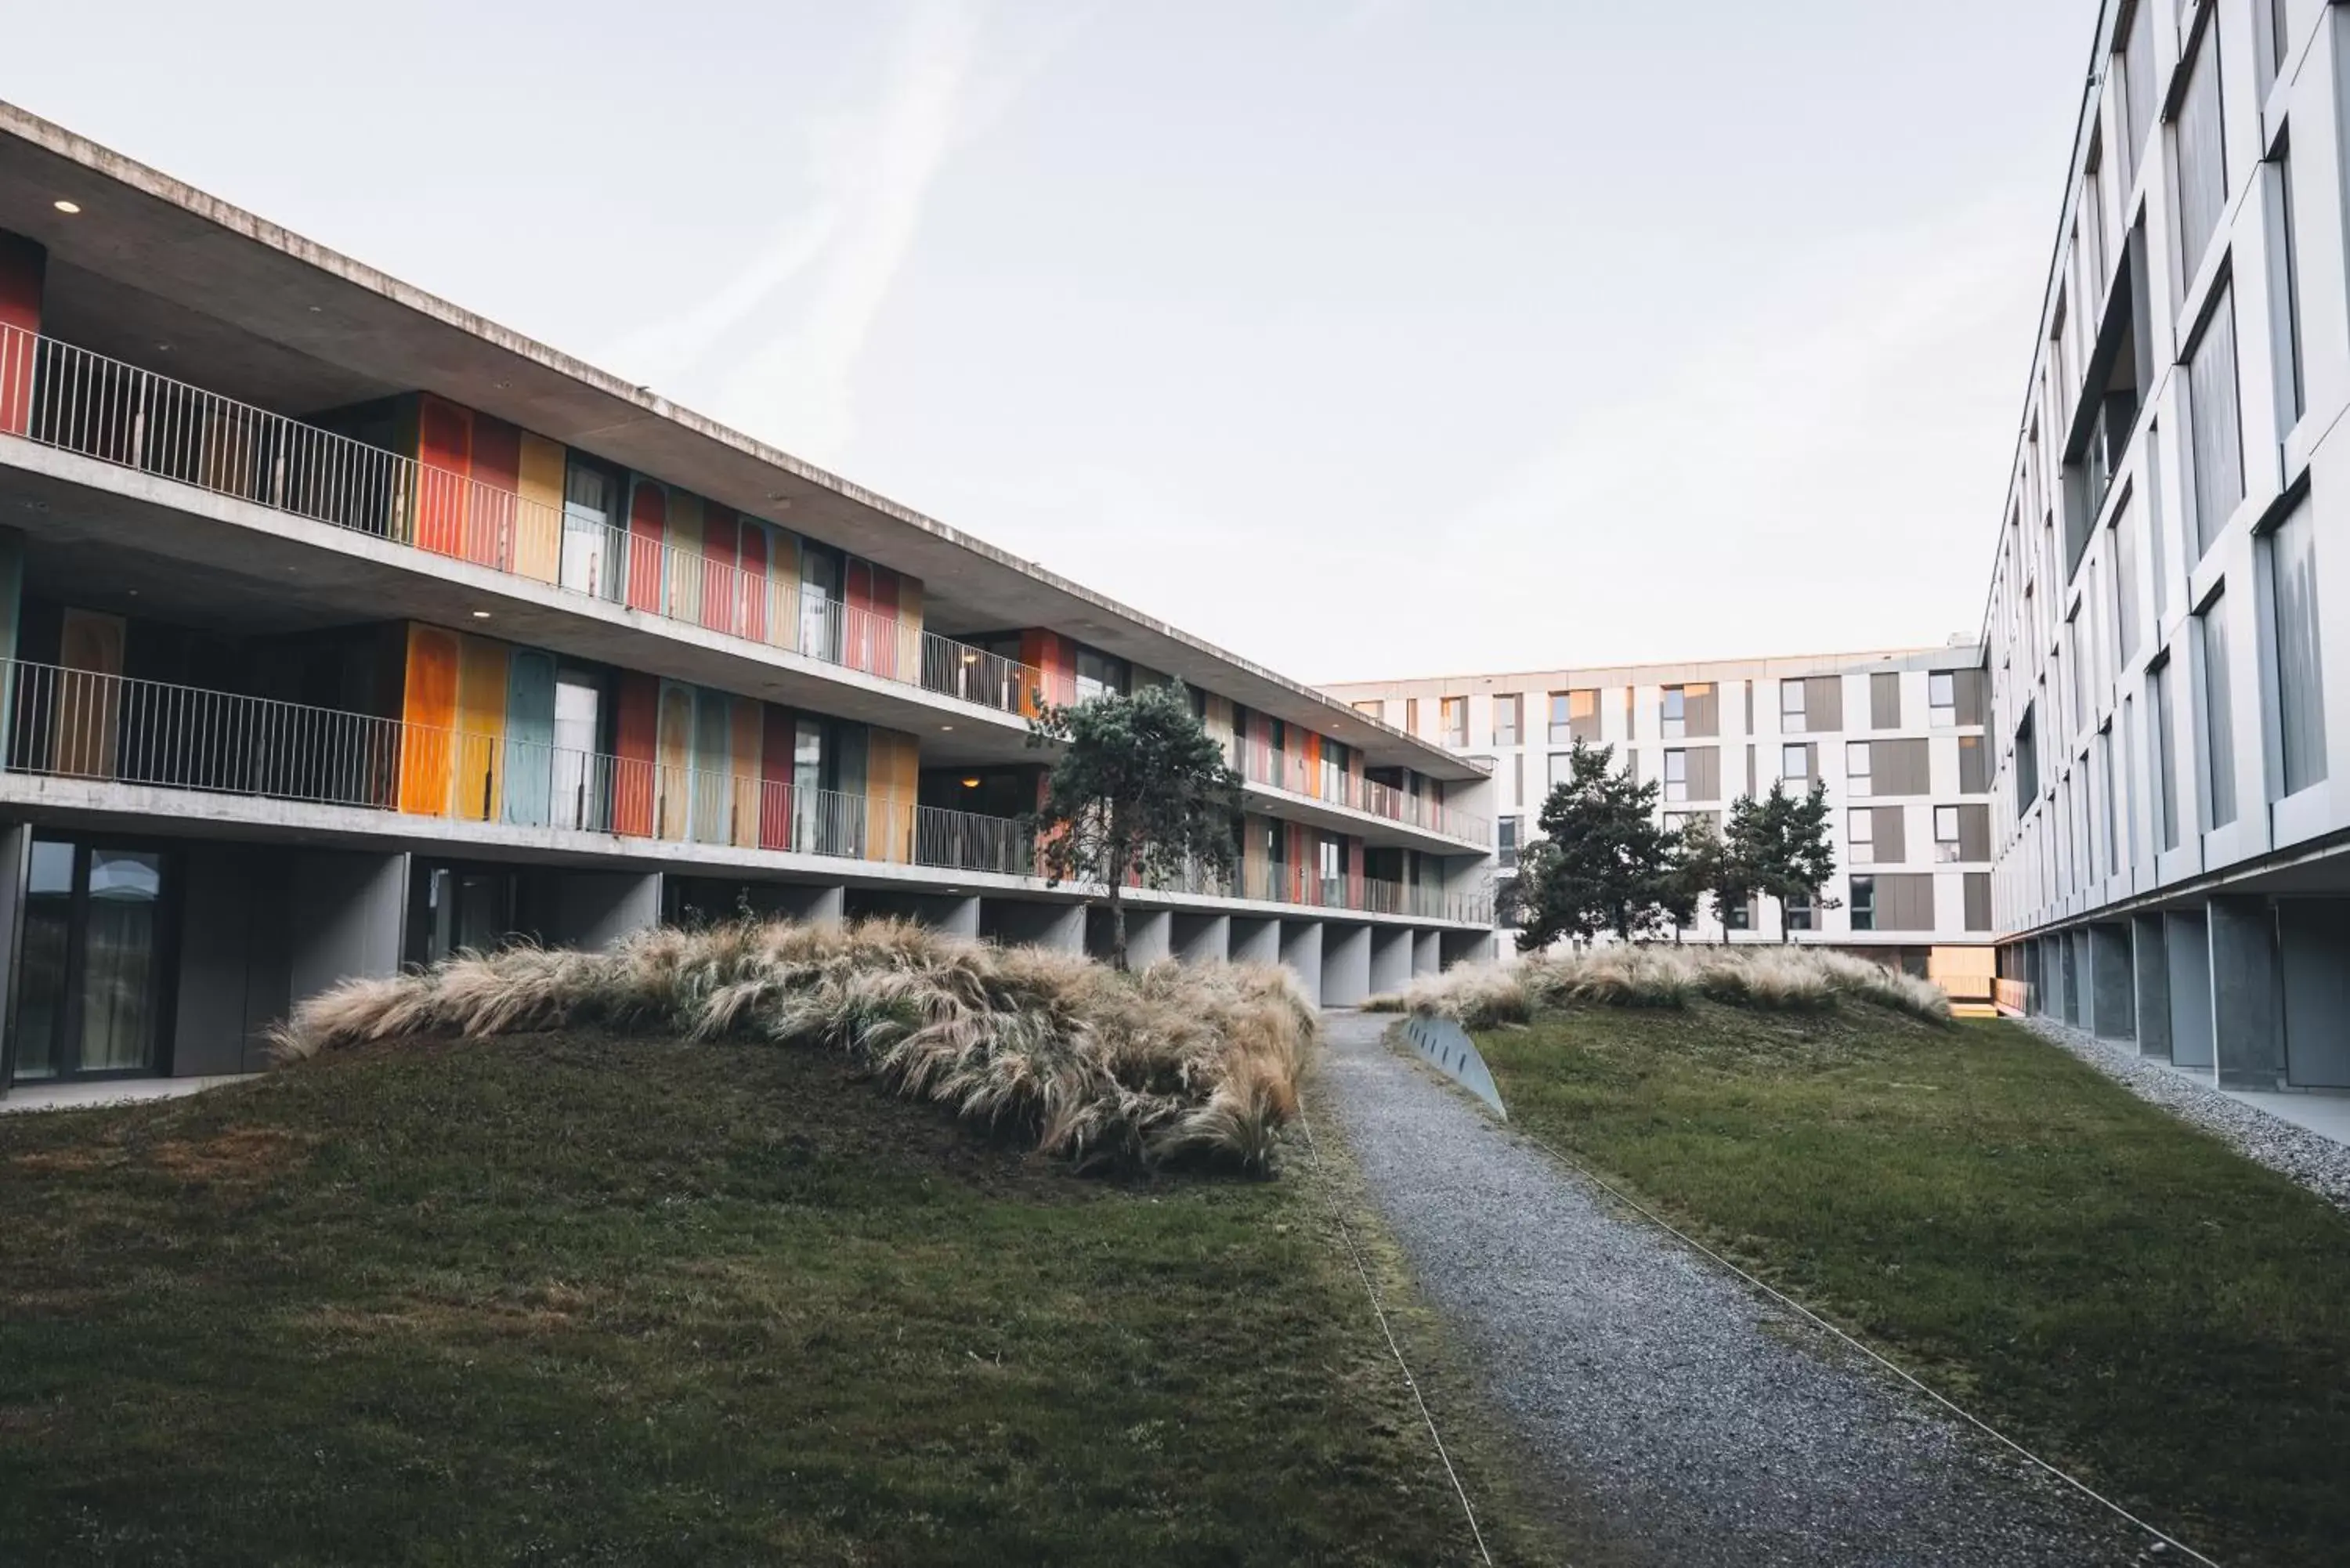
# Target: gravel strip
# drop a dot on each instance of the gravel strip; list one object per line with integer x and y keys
{"x": 1701, "y": 1422}
{"x": 2312, "y": 1159}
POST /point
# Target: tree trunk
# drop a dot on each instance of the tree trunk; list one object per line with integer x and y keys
{"x": 1118, "y": 924}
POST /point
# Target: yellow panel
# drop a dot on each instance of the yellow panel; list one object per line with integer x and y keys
{"x": 481, "y": 728}
{"x": 909, "y": 608}
{"x": 892, "y": 769}
{"x": 538, "y": 527}
{"x": 747, "y": 723}
{"x": 685, "y": 572}
{"x": 86, "y": 702}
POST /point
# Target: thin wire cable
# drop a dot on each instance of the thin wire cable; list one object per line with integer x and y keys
{"x": 1394, "y": 1349}
{"x": 1780, "y": 1297}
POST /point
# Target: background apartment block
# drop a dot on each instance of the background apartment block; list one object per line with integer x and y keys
{"x": 2167, "y": 705}
{"x": 340, "y": 629}
{"x": 1898, "y": 738}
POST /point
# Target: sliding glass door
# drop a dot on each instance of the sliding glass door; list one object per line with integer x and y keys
{"x": 90, "y": 997}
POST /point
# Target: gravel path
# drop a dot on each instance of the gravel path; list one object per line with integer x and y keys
{"x": 1699, "y": 1421}
{"x": 2314, "y": 1161}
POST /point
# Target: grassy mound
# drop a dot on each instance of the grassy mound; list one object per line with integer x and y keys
{"x": 1777, "y": 980}
{"x": 1174, "y": 1064}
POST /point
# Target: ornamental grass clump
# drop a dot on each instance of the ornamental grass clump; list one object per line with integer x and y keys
{"x": 1175, "y": 1063}
{"x": 1776, "y": 978}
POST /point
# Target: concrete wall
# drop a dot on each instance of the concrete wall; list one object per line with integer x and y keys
{"x": 1201, "y": 939}
{"x": 1427, "y": 954}
{"x": 1346, "y": 965}
{"x": 2246, "y": 1026}
{"x": 1390, "y": 960}
{"x": 1015, "y": 923}
{"x": 2186, "y": 935}
{"x": 2113, "y": 988}
{"x": 2150, "y": 968}
{"x": 1300, "y": 951}
{"x": 591, "y": 910}
{"x": 235, "y": 960}
{"x": 1255, "y": 941}
{"x": 2315, "y": 936}
{"x": 346, "y": 914}
{"x": 954, "y": 913}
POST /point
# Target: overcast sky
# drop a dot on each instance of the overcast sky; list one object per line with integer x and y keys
{"x": 1365, "y": 337}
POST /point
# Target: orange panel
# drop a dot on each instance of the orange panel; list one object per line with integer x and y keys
{"x": 429, "y": 707}
{"x": 637, "y": 725}
{"x": 648, "y": 533}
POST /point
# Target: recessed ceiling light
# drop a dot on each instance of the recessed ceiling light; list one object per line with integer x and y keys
{"x": 946, "y": 726}
{"x": 967, "y": 783}
{"x": 68, "y": 208}
{"x": 480, "y": 615}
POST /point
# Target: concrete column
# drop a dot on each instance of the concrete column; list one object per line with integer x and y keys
{"x": 1014, "y": 923}
{"x": 1255, "y": 941}
{"x": 957, "y": 914}
{"x": 1201, "y": 939}
{"x": 2150, "y": 967}
{"x": 814, "y": 906}
{"x": 1301, "y": 953}
{"x": 16, "y": 860}
{"x": 2247, "y": 1005}
{"x": 1149, "y": 937}
{"x": 1390, "y": 960}
{"x": 1426, "y": 953}
{"x": 2314, "y": 939}
{"x": 347, "y": 916}
{"x": 1346, "y": 965}
{"x": 2113, "y": 990}
{"x": 2187, "y": 936}
{"x": 1463, "y": 947}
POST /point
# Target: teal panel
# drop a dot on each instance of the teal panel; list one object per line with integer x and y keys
{"x": 530, "y": 736}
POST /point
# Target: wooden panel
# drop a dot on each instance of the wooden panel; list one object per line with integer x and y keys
{"x": 776, "y": 730}
{"x": 750, "y": 560}
{"x": 885, "y": 622}
{"x": 745, "y": 747}
{"x": 892, "y": 784}
{"x": 722, "y": 602}
{"x": 684, "y": 554}
{"x": 636, "y": 719}
{"x": 444, "y": 446}
{"x": 647, "y": 532}
{"x": 481, "y": 726}
{"x": 23, "y": 266}
{"x": 673, "y": 757}
{"x": 530, "y": 737}
{"x": 87, "y": 707}
{"x": 538, "y": 516}
{"x": 857, "y": 626}
{"x": 428, "y": 709}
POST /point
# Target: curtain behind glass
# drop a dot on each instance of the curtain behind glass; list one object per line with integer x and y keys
{"x": 119, "y": 960}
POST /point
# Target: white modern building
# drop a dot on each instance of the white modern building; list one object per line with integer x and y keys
{"x": 342, "y": 629}
{"x": 2168, "y": 703}
{"x": 1897, "y": 737}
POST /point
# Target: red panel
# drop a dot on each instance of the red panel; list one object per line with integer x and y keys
{"x": 1055, "y": 661}
{"x": 754, "y": 568}
{"x": 496, "y": 498}
{"x": 885, "y": 622}
{"x": 722, "y": 595}
{"x": 23, "y": 265}
{"x": 636, "y": 740}
{"x": 444, "y": 445}
{"x": 648, "y": 531}
{"x": 777, "y": 740}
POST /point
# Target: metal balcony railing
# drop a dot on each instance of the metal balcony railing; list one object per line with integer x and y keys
{"x": 1261, "y": 764}
{"x": 1266, "y": 882}
{"x": 72, "y": 723}
{"x": 70, "y": 399}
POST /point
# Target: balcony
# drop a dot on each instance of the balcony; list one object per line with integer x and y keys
{"x": 1262, "y": 764}
{"x": 80, "y": 725}
{"x": 75, "y": 724}
{"x": 71, "y": 400}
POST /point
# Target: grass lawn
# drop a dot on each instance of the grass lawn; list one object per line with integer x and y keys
{"x": 2121, "y": 1293}
{"x": 587, "y": 1300}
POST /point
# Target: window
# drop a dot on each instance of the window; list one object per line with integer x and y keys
{"x": 2279, "y": 36}
{"x": 1942, "y": 698}
{"x": 1739, "y": 916}
{"x": 1452, "y": 713}
{"x": 1856, "y": 764}
{"x": 1791, "y": 707}
{"x": 2218, "y": 718}
{"x": 2124, "y": 583}
{"x": 1676, "y": 776}
{"x": 1505, "y": 842}
{"x": 1801, "y": 915}
{"x": 2166, "y": 754}
{"x": 1411, "y": 715}
{"x": 1946, "y": 834}
{"x": 1561, "y": 768}
{"x": 2293, "y": 615}
{"x": 2215, "y": 432}
{"x": 1974, "y": 777}
{"x": 1862, "y": 831}
{"x": 2106, "y": 787}
{"x": 1673, "y": 714}
{"x": 1864, "y": 903}
{"x": 2027, "y": 762}
{"x": 2203, "y": 155}
{"x": 1795, "y": 764}
{"x": 2141, "y": 88}
{"x": 2285, "y": 290}
{"x": 1100, "y": 674}
{"x": 1505, "y": 719}
{"x": 1574, "y": 716}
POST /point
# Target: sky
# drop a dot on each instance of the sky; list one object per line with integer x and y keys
{"x": 1365, "y": 339}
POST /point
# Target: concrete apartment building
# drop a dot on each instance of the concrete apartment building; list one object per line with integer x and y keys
{"x": 2167, "y": 704}
{"x": 344, "y": 630}
{"x": 1897, "y": 737}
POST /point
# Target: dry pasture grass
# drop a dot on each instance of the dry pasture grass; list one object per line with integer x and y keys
{"x": 1778, "y": 979}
